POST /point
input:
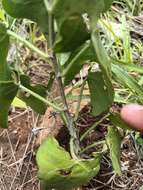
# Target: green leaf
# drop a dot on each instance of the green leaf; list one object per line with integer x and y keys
{"x": 103, "y": 59}
{"x": 18, "y": 103}
{"x": 5, "y": 73}
{"x": 122, "y": 76}
{"x": 139, "y": 139}
{"x": 51, "y": 156}
{"x": 76, "y": 61}
{"x": 104, "y": 63}
{"x": 116, "y": 120}
{"x": 8, "y": 89}
{"x": 2, "y": 14}
{"x": 30, "y": 100}
{"x": 73, "y": 33}
{"x": 113, "y": 140}
{"x": 58, "y": 171}
{"x": 67, "y": 11}
{"x": 99, "y": 95}
{"x": 132, "y": 67}
{"x": 34, "y": 10}
{"x": 66, "y": 8}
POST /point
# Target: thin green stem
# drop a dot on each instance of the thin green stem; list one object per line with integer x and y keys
{"x": 72, "y": 149}
{"x": 91, "y": 146}
{"x": 47, "y": 102}
{"x": 93, "y": 127}
{"x": 28, "y": 44}
{"x": 79, "y": 100}
{"x": 74, "y": 142}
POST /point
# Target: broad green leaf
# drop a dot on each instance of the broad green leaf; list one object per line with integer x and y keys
{"x": 73, "y": 33}
{"x": 18, "y": 103}
{"x": 31, "y": 9}
{"x": 5, "y": 73}
{"x": 30, "y": 100}
{"x": 113, "y": 140}
{"x": 104, "y": 63}
{"x": 118, "y": 122}
{"x": 122, "y": 76}
{"x": 8, "y": 89}
{"x": 66, "y": 8}
{"x": 103, "y": 59}
{"x": 76, "y": 61}
{"x": 51, "y": 157}
{"x": 58, "y": 171}
{"x": 99, "y": 95}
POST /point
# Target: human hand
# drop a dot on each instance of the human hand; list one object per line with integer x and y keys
{"x": 132, "y": 114}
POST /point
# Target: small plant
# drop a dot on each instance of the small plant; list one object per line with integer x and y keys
{"x": 67, "y": 33}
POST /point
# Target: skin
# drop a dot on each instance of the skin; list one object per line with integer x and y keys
{"x": 132, "y": 114}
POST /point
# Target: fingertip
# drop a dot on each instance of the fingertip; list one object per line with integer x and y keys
{"x": 130, "y": 109}
{"x": 132, "y": 114}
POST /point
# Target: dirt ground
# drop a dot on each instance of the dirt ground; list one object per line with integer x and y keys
{"x": 17, "y": 153}
{"x": 18, "y": 166}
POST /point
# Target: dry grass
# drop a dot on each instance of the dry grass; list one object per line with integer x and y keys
{"x": 17, "y": 164}
{"x": 18, "y": 167}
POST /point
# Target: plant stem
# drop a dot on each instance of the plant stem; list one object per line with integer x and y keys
{"x": 28, "y": 44}
{"x": 79, "y": 100}
{"x": 93, "y": 127}
{"x": 47, "y": 102}
{"x": 74, "y": 143}
{"x": 92, "y": 145}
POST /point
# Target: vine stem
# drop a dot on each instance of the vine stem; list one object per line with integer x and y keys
{"x": 47, "y": 102}
{"x": 93, "y": 127}
{"x": 28, "y": 44}
{"x": 92, "y": 145}
{"x": 74, "y": 142}
{"x": 79, "y": 100}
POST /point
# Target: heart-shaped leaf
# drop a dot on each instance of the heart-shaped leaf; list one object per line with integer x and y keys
{"x": 73, "y": 33}
{"x": 34, "y": 10}
{"x": 58, "y": 171}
